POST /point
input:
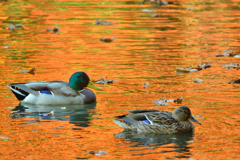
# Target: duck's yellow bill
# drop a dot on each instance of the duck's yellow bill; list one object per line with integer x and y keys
{"x": 91, "y": 85}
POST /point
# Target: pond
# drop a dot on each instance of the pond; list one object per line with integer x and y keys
{"x": 147, "y": 44}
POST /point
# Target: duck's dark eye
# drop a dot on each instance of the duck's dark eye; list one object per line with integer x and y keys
{"x": 184, "y": 111}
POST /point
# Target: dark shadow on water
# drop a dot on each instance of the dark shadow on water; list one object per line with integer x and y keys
{"x": 152, "y": 141}
{"x": 79, "y": 115}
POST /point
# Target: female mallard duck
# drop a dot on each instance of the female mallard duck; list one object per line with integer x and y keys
{"x": 162, "y": 122}
{"x": 56, "y": 92}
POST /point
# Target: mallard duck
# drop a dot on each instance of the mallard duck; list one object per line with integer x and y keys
{"x": 56, "y": 92}
{"x": 161, "y": 122}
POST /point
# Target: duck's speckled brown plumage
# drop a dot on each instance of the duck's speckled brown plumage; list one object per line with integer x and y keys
{"x": 162, "y": 122}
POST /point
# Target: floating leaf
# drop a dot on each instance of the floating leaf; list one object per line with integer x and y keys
{"x": 231, "y": 66}
{"x": 107, "y": 40}
{"x": 4, "y": 137}
{"x": 98, "y": 153}
{"x": 103, "y": 22}
{"x": 159, "y": 102}
{"x": 229, "y": 53}
{"x": 197, "y": 80}
{"x": 146, "y": 85}
{"x": 147, "y": 10}
{"x": 31, "y": 71}
{"x": 188, "y": 70}
{"x": 190, "y": 8}
{"x": 46, "y": 114}
{"x": 5, "y": 47}
{"x": 11, "y": 26}
{"x": 156, "y": 15}
{"x": 55, "y": 29}
{"x": 164, "y": 102}
{"x": 103, "y": 81}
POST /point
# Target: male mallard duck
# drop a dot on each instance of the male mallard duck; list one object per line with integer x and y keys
{"x": 56, "y": 92}
{"x": 162, "y": 122}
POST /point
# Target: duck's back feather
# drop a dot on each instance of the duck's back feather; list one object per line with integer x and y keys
{"x": 62, "y": 88}
{"x": 56, "y": 87}
{"x": 35, "y": 92}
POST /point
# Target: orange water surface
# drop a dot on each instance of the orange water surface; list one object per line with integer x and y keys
{"x": 146, "y": 49}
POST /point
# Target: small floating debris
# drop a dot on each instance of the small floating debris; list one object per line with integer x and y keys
{"x": 103, "y": 81}
{"x": 19, "y": 26}
{"x": 237, "y": 56}
{"x": 234, "y": 81}
{"x": 229, "y": 53}
{"x": 31, "y": 71}
{"x": 156, "y": 15}
{"x": 159, "y": 102}
{"x": 146, "y": 85}
{"x": 103, "y": 22}
{"x": 178, "y": 100}
{"x": 197, "y": 80}
{"x": 231, "y": 66}
{"x": 147, "y": 10}
{"x": 63, "y": 107}
{"x": 5, "y": 47}
{"x": 107, "y": 40}
{"x": 188, "y": 70}
{"x": 55, "y": 29}
{"x": 204, "y": 66}
{"x": 158, "y": 2}
{"x": 182, "y": 70}
{"x": 11, "y": 26}
{"x": 98, "y": 153}
{"x": 4, "y": 137}
{"x": 161, "y": 3}
{"x": 190, "y": 8}
{"x": 46, "y": 114}
{"x": 191, "y": 141}
{"x": 109, "y": 81}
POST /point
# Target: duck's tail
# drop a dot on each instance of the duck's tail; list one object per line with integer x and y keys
{"x": 121, "y": 124}
{"x": 19, "y": 93}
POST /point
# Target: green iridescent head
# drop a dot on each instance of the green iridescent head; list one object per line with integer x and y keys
{"x": 79, "y": 80}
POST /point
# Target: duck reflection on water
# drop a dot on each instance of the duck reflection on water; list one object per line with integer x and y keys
{"x": 153, "y": 140}
{"x": 79, "y": 115}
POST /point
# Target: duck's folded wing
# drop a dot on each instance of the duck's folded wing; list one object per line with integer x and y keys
{"x": 37, "y": 85}
{"x": 162, "y": 117}
{"x": 18, "y": 87}
{"x": 142, "y": 111}
{"x": 61, "y": 88}
{"x": 130, "y": 120}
